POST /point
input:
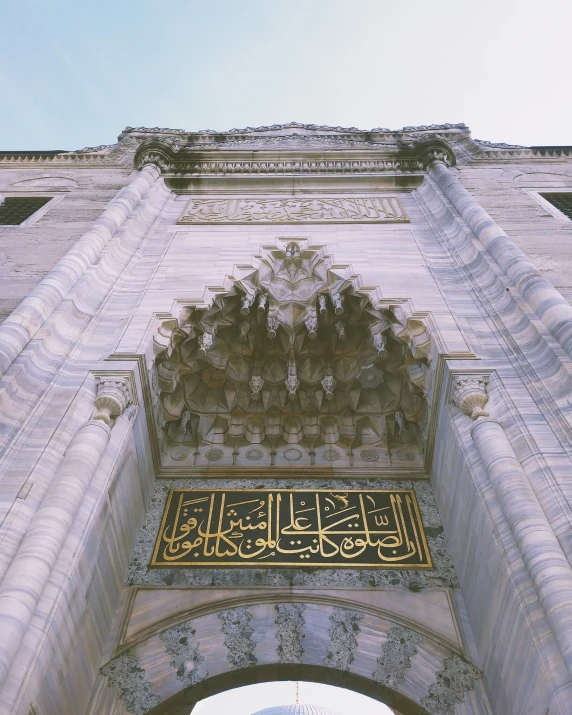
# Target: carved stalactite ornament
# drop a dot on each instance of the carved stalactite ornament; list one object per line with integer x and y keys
{"x": 293, "y": 354}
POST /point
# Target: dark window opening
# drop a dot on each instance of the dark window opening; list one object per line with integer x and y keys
{"x": 563, "y": 202}
{"x": 16, "y": 209}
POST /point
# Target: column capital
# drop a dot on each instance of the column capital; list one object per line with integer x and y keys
{"x": 432, "y": 150}
{"x": 114, "y": 394}
{"x": 469, "y": 394}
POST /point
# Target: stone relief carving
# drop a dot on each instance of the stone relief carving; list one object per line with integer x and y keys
{"x": 453, "y": 681}
{"x": 181, "y": 645}
{"x": 124, "y": 674}
{"x": 236, "y": 627}
{"x": 400, "y": 647}
{"x": 192, "y": 167}
{"x": 307, "y": 210}
{"x": 304, "y": 371}
{"x": 290, "y": 625}
{"x": 343, "y": 642}
{"x": 297, "y": 141}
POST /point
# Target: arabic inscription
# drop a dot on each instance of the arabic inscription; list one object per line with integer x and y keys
{"x": 292, "y": 528}
{"x": 386, "y": 209}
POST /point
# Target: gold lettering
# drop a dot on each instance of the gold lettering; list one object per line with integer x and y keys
{"x": 366, "y": 528}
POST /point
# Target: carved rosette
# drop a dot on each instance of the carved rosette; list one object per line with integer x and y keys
{"x": 113, "y": 397}
{"x": 470, "y": 395}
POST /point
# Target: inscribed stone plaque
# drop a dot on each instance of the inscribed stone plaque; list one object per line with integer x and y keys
{"x": 283, "y": 527}
{"x": 379, "y": 209}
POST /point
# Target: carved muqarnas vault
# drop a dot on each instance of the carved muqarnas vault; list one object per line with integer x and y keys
{"x": 295, "y": 367}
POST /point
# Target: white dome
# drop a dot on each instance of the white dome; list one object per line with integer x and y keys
{"x": 295, "y": 710}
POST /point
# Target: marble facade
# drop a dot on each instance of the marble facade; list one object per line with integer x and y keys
{"x": 288, "y": 307}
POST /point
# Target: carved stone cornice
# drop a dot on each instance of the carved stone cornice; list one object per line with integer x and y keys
{"x": 313, "y": 128}
{"x": 382, "y": 150}
{"x": 173, "y": 160}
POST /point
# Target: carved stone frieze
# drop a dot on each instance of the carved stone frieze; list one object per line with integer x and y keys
{"x": 191, "y": 166}
{"x": 307, "y": 210}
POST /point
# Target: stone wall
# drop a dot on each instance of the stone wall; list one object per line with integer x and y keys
{"x": 510, "y": 195}
{"x": 420, "y": 639}
{"x": 28, "y": 252}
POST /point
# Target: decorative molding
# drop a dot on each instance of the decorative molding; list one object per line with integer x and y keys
{"x": 455, "y": 679}
{"x": 400, "y": 647}
{"x": 293, "y": 125}
{"x": 502, "y": 154}
{"x": 301, "y": 138}
{"x": 189, "y": 163}
{"x": 343, "y": 642}
{"x": 378, "y": 209}
{"x": 236, "y": 627}
{"x": 290, "y": 631}
{"x": 181, "y": 645}
{"x": 124, "y": 674}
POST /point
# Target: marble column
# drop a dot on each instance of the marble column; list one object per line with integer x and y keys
{"x": 25, "y": 321}
{"x": 554, "y": 310}
{"x": 30, "y": 569}
{"x": 545, "y": 561}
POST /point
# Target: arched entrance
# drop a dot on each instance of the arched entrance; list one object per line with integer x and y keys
{"x": 409, "y": 666}
{"x": 184, "y": 703}
{"x": 271, "y": 696}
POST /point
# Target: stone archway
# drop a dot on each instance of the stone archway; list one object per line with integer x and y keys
{"x": 410, "y": 666}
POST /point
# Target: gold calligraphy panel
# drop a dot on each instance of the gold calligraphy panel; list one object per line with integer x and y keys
{"x": 283, "y": 527}
{"x": 378, "y": 209}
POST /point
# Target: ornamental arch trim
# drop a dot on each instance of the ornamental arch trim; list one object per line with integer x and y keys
{"x": 337, "y": 642}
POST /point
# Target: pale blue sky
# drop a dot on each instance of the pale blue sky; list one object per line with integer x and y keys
{"x": 75, "y": 73}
